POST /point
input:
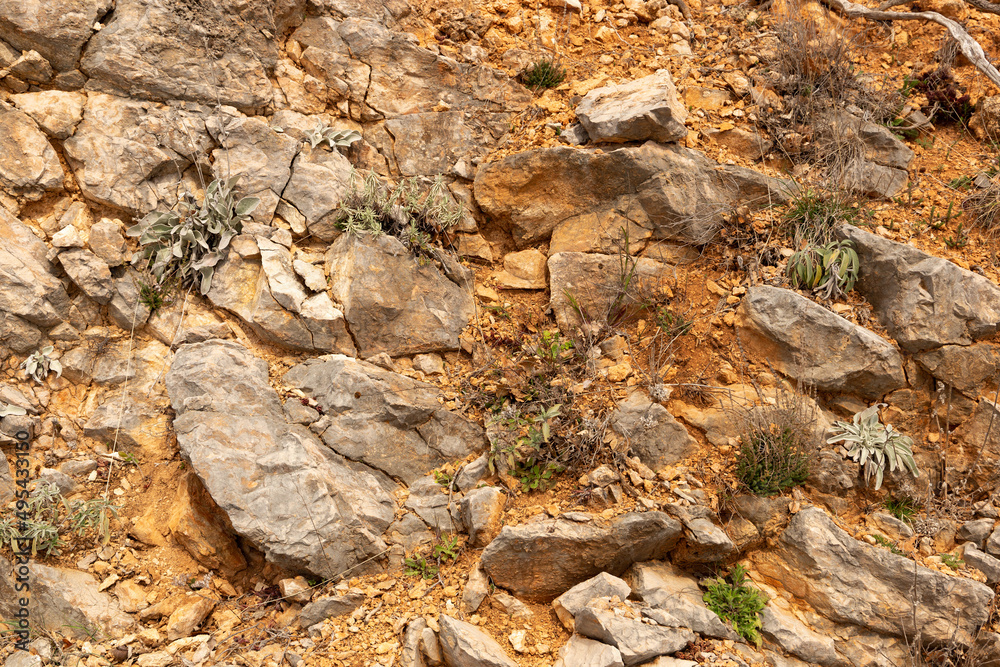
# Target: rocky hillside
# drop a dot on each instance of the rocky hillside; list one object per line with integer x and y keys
{"x": 434, "y": 333}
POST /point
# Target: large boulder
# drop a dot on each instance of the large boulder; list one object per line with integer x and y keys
{"x": 968, "y": 368}
{"x": 851, "y": 582}
{"x": 923, "y": 301}
{"x": 541, "y": 560}
{"x": 306, "y": 507}
{"x": 28, "y": 289}
{"x": 29, "y": 166}
{"x": 646, "y": 108}
{"x": 56, "y": 29}
{"x": 465, "y": 645}
{"x": 383, "y": 419}
{"x": 676, "y": 193}
{"x": 221, "y": 52}
{"x": 395, "y": 302}
{"x": 132, "y": 154}
{"x": 816, "y": 346}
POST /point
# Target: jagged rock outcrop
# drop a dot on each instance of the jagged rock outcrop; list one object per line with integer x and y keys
{"x": 816, "y": 346}
{"x": 646, "y": 108}
{"x": 306, "y": 507}
{"x": 30, "y": 166}
{"x": 56, "y": 29}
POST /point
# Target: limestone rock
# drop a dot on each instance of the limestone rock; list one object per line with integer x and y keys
{"x": 188, "y": 615}
{"x": 988, "y": 565}
{"x": 638, "y": 642}
{"x": 89, "y": 273}
{"x": 664, "y": 586}
{"x": 453, "y": 139}
{"x": 923, "y": 301}
{"x": 29, "y": 166}
{"x": 331, "y": 607}
{"x": 28, "y": 288}
{"x": 231, "y": 427}
{"x": 56, "y": 112}
{"x": 384, "y": 419}
{"x": 675, "y": 192}
{"x": 573, "y": 601}
{"x": 646, "y": 108}
{"x": 653, "y": 434}
{"x": 429, "y": 501}
{"x": 979, "y": 436}
{"x": 202, "y": 529}
{"x": 592, "y": 281}
{"x": 465, "y": 645}
{"x": 816, "y": 346}
{"x": 851, "y": 582}
{"x": 541, "y": 560}
{"x": 967, "y": 368}
{"x": 57, "y": 29}
{"x": 318, "y": 182}
{"x": 63, "y": 600}
{"x": 523, "y": 270}
{"x": 163, "y": 52}
{"x": 482, "y": 514}
{"x": 393, "y": 302}
{"x": 794, "y": 637}
{"x": 583, "y": 652}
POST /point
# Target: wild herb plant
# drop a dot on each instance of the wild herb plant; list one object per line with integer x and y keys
{"x": 737, "y": 603}
{"x": 874, "y": 445}
{"x": 40, "y": 364}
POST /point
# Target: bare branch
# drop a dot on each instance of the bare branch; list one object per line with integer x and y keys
{"x": 985, "y": 5}
{"x": 970, "y": 47}
{"x": 889, "y": 4}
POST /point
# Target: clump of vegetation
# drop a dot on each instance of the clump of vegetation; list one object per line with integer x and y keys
{"x": 419, "y": 567}
{"x": 526, "y": 458}
{"x": 48, "y": 514}
{"x": 946, "y": 101}
{"x": 40, "y": 364}
{"x": 737, "y": 603}
{"x": 952, "y": 561}
{"x": 902, "y": 508}
{"x": 672, "y": 325}
{"x": 552, "y": 347}
{"x": 323, "y": 133}
{"x": 447, "y": 548}
{"x": 413, "y": 217}
{"x": 188, "y": 243}
{"x": 883, "y": 541}
{"x": 829, "y": 270}
{"x": 772, "y": 456}
{"x": 874, "y": 445}
{"x": 812, "y": 216}
{"x": 545, "y": 73}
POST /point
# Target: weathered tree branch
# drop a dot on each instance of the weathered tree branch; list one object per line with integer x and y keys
{"x": 969, "y": 47}
{"x": 985, "y": 6}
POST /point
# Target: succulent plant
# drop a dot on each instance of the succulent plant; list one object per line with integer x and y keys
{"x": 874, "y": 445}
{"x": 39, "y": 365}
{"x": 333, "y": 138}
{"x": 829, "y": 270}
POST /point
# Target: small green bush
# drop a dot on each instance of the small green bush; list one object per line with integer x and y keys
{"x": 771, "y": 461}
{"x": 737, "y": 603}
{"x": 903, "y": 509}
{"x": 829, "y": 270}
{"x": 544, "y": 74}
{"x": 812, "y": 216}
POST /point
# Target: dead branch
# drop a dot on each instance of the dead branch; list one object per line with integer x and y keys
{"x": 985, "y": 6}
{"x": 970, "y": 47}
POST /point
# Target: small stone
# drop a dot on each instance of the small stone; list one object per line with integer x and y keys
{"x": 67, "y": 237}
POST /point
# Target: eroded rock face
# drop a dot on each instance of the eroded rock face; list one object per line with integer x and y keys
{"x": 851, "y": 582}
{"x": 306, "y": 507}
{"x": 465, "y": 645}
{"x": 542, "y": 560}
{"x": 28, "y": 288}
{"x": 29, "y": 167}
{"x": 383, "y": 419}
{"x": 394, "y": 302}
{"x": 221, "y": 51}
{"x": 814, "y": 345}
{"x": 653, "y": 434}
{"x": 923, "y": 301}
{"x": 57, "y": 29}
{"x": 968, "y": 368}
{"x": 674, "y": 192}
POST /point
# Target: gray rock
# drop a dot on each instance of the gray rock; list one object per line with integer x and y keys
{"x": 282, "y": 280}
{"x": 29, "y": 166}
{"x": 967, "y": 368}
{"x": 126, "y": 307}
{"x": 482, "y": 514}
{"x": 851, "y": 582}
{"x": 331, "y": 607}
{"x": 646, "y": 108}
{"x": 412, "y": 656}
{"x": 980, "y": 435}
{"x": 393, "y": 302}
{"x": 880, "y": 144}
{"x": 429, "y": 501}
{"x": 67, "y": 237}
{"x": 573, "y": 601}
{"x": 583, "y": 652}
{"x": 985, "y": 563}
{"x": 975, "y": 531}
{"x": 891, "y": 526}
{"x": 541, "y": 560}
{"x": 133, "y": 155}
{"x": 241, "y": 287}
{"x": 384, "y": 419}
{"x": 7, "y": 487}
{"x": 28, "y": 288}
{"x": 674, "y": 192}
{"x": 56, "y": 112}
{"x": 923, "y": 301}
{"x": 18, "y": 335}
{"x": 67, "y": 485}
{"x": 593, "y": 282}
{"x": 993, "y": 542}
{"x": 704, "y": 542}
{"x": 311, "y": 275}
{"x": 63, "y": 600}
{"x": 158, "y": 52}
{"x": 318, "y": 183}
{"x": 477, "y": 587}
{"x": 231, "y": 427}
{"x": 796, "y": 638}
{"x": 248, "y": 147}
{"x": 88, "y": 272}
{"x": 56, "y": 29}
{"x": 637, "y": 641}
{"x": 453, "y": 137}
{"x": 653, "y": 434}
{"x": 664, "y": 586}
{"x": 472, "y": 473}
{"x": 465, "y": 645}
{"x": 816, "y": 346}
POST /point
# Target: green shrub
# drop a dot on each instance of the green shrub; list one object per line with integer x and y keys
{"x": 874, "y": 445}
{"x": 403, "y": 211}
{"x": 188, "y": 243}
{"x": 829, "y": 270}
{"x": 544, "y": 74}
{"x": 737, "y": 603}
{"x": 812, "y": 216}
{"x": 771, "y": 461}
{"x": 903, "y": 509}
